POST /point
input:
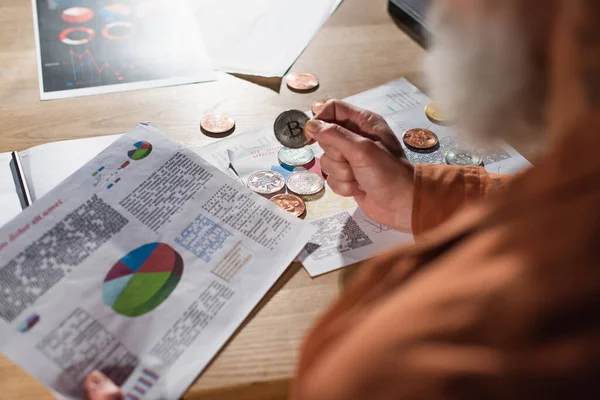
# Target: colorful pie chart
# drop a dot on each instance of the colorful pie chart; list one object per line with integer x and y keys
{"x": 141, "y": 280}
{"x": 141, "y": 151}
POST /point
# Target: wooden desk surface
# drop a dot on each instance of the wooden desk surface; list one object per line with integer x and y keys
{"x": 360, "y": 47}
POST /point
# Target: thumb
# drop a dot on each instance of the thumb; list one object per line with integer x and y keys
{"x": 99, "y": 387}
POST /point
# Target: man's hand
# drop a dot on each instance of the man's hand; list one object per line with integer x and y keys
{"x": 99, "y": 387}
{"x": 364, "y": 159}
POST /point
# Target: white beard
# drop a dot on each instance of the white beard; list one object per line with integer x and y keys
{"x": 481, "y": 71}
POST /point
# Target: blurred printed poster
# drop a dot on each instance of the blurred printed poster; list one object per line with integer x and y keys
{"x": 88, "y": 47}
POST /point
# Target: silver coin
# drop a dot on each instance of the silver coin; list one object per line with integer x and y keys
{"x": 295, "y": 157}
{"x": 266, "y": 182}
{"x": 289, "y": 129}
{"x": 462, "y": 157}
{"x": 305, "y": 183}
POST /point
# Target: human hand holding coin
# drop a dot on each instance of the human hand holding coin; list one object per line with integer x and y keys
{"x": 364, "y": 159}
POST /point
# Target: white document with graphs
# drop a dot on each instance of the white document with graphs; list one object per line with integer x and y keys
{"x": 141, "y": 264}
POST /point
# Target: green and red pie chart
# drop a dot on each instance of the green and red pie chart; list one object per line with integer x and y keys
{"x": 141, "y": 280}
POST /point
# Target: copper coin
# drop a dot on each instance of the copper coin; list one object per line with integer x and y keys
{"x": 318, "y": 105}
{"x": 421, "y": 139}
{"x": 217, "y": 123}
{"x": 302, "y": 81}
{"x": 290, "y": 203}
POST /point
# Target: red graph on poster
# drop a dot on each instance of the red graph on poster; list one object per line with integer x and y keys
{"x": 78, "y": 61}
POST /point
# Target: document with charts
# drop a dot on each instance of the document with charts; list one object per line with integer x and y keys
{"x": 87, "y": 47}
{"x": 345, "y": 234}
{"x": 141, "y": 264}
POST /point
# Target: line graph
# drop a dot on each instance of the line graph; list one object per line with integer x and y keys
{"x": 81, "y": 61}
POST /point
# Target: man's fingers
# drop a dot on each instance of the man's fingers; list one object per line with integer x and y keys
{"x": 346, "y": 189}
{"x": 363, "y": 122}
{"x": 337, "y": 170}
{"x": 341, "y": 144}
{"x": 99, "y": 387}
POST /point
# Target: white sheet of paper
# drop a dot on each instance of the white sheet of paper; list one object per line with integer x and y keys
{"x": 47, "y": 165}
{"x": 346, "y": 235}
{"x": 144, "y": 279}
{"x": 9, "y": 199}
{"x": 260, "y": 37}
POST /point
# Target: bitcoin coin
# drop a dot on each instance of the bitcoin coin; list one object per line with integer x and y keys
{"x": 305, "y": 183}
{"x": 435, "y": 115}
{"x": 318, "y": 105}
{"x": 266, "y": 182}
{"x": 217, "y": 123}
{"x": 295, "y": 157}
{"x": 289, "y": 129}
{"x": 462, "y": 157}
{"x": 302, "y": 81}
{"x": 290, "y": 203}
{"x": 420, "y": 139}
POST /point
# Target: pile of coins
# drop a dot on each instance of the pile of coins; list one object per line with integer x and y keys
{"x": 289, "y": 131}
{"x": 300, "y": 185}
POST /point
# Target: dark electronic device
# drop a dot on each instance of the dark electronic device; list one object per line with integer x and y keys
{"x": 410, "y": 14}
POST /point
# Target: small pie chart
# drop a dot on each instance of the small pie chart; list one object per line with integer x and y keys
{"x": 141, "y": 151}
{"x": 141, "y": 280}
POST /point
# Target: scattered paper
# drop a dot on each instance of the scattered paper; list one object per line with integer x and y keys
{"x": 345, "y": 234}
{"x": 260, "y": 37}
{"x": 142, "y": 264}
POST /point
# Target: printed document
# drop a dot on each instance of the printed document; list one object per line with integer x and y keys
{"x": 142, "y": 264}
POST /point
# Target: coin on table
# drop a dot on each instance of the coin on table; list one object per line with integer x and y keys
{"x": 217, "y": 123}
{"x": 290, "y": 203}
{"x": 462, "y": 157}
{"x": 289, "y": 129}
{"x": 318, "y": 105}
{"x": 420, "y": 139}
{"x": 434, "y": 113}
{"x": 295, "y": 157}
{"x": 305, "y": 183}
{"x": 302, "y": 81}
{"x": 266, "y": 182}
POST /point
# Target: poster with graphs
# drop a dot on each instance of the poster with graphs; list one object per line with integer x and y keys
{"x": 88, "y": 47}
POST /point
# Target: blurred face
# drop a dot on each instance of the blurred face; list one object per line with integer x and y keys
{"x": 488, "y": 65}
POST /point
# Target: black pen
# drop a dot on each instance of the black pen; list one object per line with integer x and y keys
{"x": 21, "y": 177}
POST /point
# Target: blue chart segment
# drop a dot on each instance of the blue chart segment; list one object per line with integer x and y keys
{"x": 111, "y": 290}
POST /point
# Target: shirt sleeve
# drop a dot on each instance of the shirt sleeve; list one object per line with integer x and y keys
{"x": 441, "y": 190}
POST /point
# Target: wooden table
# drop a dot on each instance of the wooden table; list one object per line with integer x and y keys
{"x": 360, "y": 47}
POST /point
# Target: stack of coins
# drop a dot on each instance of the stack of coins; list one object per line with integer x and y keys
{"x": 289, "y": 131}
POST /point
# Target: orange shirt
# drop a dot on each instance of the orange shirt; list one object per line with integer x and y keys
{"x": 499, "y": 299}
